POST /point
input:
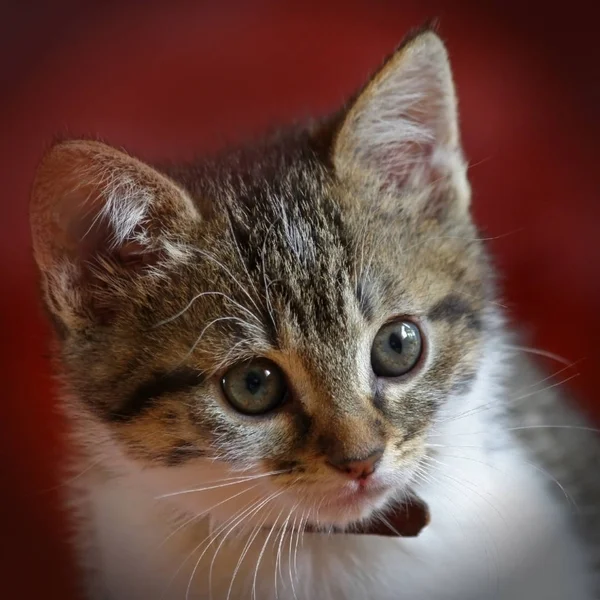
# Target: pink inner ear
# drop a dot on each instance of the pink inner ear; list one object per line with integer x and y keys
{"x": 90, "y": 202}
{"x": 80, "y": 230}
{"x": 403, "y": 127}
{"x": 401, "y": 164}
{"x": 135, "y": 255}
{"x": 85, "y": 232}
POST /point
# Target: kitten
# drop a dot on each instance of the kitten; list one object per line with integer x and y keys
{"x": 289, "y": 341}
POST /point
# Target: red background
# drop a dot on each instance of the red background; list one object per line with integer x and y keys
{"x": 173, "y": 78}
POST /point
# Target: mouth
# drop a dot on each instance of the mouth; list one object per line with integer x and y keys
{"x": 356, "y": 496}
{"x": 401, "y": 518}
{"x": 406, "y": 518}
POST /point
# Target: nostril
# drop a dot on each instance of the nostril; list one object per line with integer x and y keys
{"x": 358, "y": 468}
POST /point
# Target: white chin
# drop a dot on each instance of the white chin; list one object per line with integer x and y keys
{"x": 340, "y": 512}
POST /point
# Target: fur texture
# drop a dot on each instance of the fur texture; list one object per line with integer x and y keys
{"x": 299, "y": 249}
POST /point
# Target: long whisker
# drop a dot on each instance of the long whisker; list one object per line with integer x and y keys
{"x": 464, "y": 239}
{"x": 240, "y": 257}
{"x": 236, "y": 480}
{"x": 544, "y": 353}
{"x": 533, "y": 466}
{"x": 202, "y": 294}
{"x": 455, "y": 484}
{"x": 551, "y": 376}
{"x": 280, "y": 548}
{"x": 203, "y": 513}
{"x": 262, "y": 551}
{"x": 548, "y": 387}
{"x": 425, "y": 476}
{"x": 223, "y": 539}
{"x": 388, "y": 524}
{"x": 575, "y": 427}
{"x": 246, "y": 514}
{"x": 70, "y": 480}
{"x": 290, "y": 558}
{"x": 525, "y": 427}
{"x": 214, "y": 260}
{"x": 264, "y": 273}
{"x": 210, "y": 324}
{"x": 208, "y": 537}
{"x": 277, "y": 570}
{"x": 299, "y": 535}
{"x": 229, "y": 525}
{"x": 551, "y": 477}
{"x": 249, "y": 541}
{"x": 482, "y": 407}
{"x": 548, "y": 475}
{"x": 468, "y": 483}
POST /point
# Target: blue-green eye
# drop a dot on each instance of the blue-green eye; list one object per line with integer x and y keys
{"x": 396, "y": 349}
{"x": 254, "y": 387}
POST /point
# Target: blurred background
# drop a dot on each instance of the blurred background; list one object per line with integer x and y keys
{"x": 173, "y": 79}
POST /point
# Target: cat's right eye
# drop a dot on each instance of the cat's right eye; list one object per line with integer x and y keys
{"x": 255, "y": 387}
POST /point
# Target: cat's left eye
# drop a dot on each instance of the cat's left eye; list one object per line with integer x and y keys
{"x": 255, "y": 387}
{"x": 396, "y": 349}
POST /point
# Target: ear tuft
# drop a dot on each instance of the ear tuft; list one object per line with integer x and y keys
{"x": 94, "y": 207}
{"x": 402, "y": 129}
{"x": 89, "y": 198}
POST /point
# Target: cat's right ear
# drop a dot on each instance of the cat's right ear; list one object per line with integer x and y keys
{"x": 99, "y": 219}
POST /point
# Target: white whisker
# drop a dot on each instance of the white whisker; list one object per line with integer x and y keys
{"x": 544, "y": 353}
{"x": 290, "y": 558}
{"x": 196, "y": 548}
{"x": 71, "y": 479}
{"x": 250, "y": 540}
{"x": 574, "y": 427}
{"x": 279, "y": 550}
{"x": 300, "y": 534}
{"x": 482, "y": 407}
{"x": 234, "y": 481}
{"x": 262, "y": 551}
{"x": 202, "y": 294}
{"x": 264, "y": 274}
{"x": 468, "y": 483}
{"x": 241, "y": 258}
{"x": 456, "y": 484}
{"x": 214, "y": 260}
{"x": 246, "y": 514}
{"x": 223, "y": 539}
{"x": 548, "y": 387}
{"x": 203, "y": 513}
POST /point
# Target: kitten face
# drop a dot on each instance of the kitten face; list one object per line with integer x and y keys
{"x": 297, "y": 253}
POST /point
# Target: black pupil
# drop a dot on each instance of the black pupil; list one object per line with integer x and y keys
{"x": 396, "y": 343}
{"x": 253, "y": 382}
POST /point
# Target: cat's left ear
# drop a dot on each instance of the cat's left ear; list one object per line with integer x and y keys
{"x": 402, "y": 130}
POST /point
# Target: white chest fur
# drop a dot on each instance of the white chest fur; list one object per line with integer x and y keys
{"x": 496, "y": 533}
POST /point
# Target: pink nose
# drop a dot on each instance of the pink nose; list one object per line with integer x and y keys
{"x": 358, "y": 468}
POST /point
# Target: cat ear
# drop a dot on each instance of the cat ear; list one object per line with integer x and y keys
{"x": 402, "y": 129}
{"x": 98, "y": 214}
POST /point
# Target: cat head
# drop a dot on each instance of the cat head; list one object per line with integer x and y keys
{"x": 283, "y": 323}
